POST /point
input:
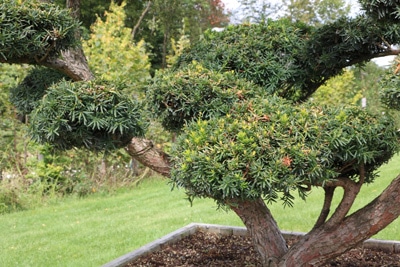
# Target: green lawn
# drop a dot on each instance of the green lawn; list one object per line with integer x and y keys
{"x": 99, "y": 228}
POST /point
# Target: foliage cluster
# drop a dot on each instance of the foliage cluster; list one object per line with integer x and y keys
{"x": 266, "y": 147}
{"x": 26, "y": 95}
{"x": 34, "y": 30}
{"x": 390, "y": 95}
{"x": 291, "y": 59}
{"x": 93, "y": 115}
{"x": 268, "y": 53}
{"x": 388, "y": 10}
{"x": 194, "y": 91}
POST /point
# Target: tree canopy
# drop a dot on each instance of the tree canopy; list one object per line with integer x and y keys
{"x": 292, "y": 59}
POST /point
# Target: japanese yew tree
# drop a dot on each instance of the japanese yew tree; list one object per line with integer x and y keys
{"x": 237, "y": 100}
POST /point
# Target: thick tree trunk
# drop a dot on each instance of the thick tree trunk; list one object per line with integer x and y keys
{"x": 262, "y": 228}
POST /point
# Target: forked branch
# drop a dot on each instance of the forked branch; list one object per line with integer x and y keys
{"x": 351, "y": 190}
{"x": 326, "y": 208}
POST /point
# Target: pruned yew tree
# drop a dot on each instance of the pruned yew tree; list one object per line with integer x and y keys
{"x": 237, "y": 101}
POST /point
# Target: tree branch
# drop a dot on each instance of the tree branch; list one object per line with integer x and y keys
{"x": 350, "y": 232}
{"x": 351, "y": 190}
{"x": 329, "y": 191}
{"x": 149, "y": 155}
{"x": 135, "y": 28}
{"x": 72, "y": 63}
{"x": 390, "y": 52}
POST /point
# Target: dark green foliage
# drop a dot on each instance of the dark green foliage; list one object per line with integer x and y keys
{"x": 33, "y": 31}
{"x": 193, "y": 92}
{"x": 270, "y": 54}
{"x": 390, "y": 95}
{"x": 27, "y": 94}
{"x": 382, "y": 10}
{"x": 266, "y": 147}
{"x": 263, "y": 145}
{"x": 91, "y": 115}
{"x": 291, "y": 59}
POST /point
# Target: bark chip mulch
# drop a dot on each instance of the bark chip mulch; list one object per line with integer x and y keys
{"x": 205, "y": 249}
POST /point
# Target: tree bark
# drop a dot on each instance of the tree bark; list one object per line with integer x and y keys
{"x": 149, "y": 155}
{"x": 73, "y": 63}
{"x": 327, "y": 242}
{"x": 74, "y": 6}
{"x": 262, "y": 228}
{"x": 136, "y": 27}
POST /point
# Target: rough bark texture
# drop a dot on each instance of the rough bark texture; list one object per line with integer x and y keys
{"x": 72, "y": 63}
{"x": 149, "y": 155}
{"x": 324, "y": 243}
{"x": 74, "y": 6}
{"x": 263, "y": 229}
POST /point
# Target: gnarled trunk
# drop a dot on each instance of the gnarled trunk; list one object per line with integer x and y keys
{"x": 72, "y": 63}
{"x": 264, "y": 231}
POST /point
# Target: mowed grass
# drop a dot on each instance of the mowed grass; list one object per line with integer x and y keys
{"x": 97, "y": 229}
{"x": 94, "y": 230}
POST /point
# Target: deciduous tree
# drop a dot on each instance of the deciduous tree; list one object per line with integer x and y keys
{"x": 316, "y": 12}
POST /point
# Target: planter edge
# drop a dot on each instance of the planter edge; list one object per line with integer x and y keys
{"x": 385, "y": 245}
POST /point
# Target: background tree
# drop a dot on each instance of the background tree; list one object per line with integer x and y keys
{"x": 162, "y": 20}
{"x": 255, "y": 10}
{"x": 126, "y": 61}
{"x": 312, "y": 12}
{"x": 316, "y": 12}
{"x": 249, "y": 136}
{"x": 339, "y": 90}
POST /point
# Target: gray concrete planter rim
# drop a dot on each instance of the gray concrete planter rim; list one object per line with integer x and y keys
{"x": 384, "y": 245}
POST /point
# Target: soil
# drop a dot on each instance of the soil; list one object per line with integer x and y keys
{"x": 211, "y": 250}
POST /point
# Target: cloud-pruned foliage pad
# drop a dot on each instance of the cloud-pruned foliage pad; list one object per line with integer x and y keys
{"x": 177, "y": 97}
{"x": 26, "y": 95}
{"x": 269, "y": 148}
{"x": 33, "y": 31}
{"x": 93, "y": 115}
{"x": 291, "y": 59}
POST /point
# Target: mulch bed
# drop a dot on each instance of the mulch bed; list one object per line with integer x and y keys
{"x": 212, "y": 250}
